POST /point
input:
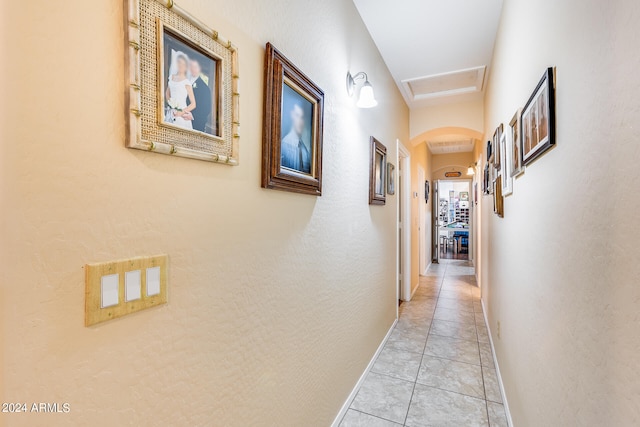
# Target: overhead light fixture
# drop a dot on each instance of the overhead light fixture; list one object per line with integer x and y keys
{"x": 366, "y": 98}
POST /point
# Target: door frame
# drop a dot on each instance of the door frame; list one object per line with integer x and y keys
{"x": 403, "y": 268}
{"x": 472, "y": 222}
{"x": 423, "y": 263}
{"x": 435, "y": 218}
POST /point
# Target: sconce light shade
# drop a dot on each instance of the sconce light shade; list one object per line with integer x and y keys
{"x": 366, "y": 99}
{"x": 471, "y": 171}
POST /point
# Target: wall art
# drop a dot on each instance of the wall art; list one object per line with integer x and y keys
{"x": 391, "y": 179}
{"x": 182, "y": 84}
{"x": 505, "y": 163}
{"x": 377, "y": 171}
{"x": 292, "y": 136}
{"x": 516, "y": 153}
{"x": 538, "y": 121}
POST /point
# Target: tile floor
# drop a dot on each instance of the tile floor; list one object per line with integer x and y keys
{"x": 436, "y": 368}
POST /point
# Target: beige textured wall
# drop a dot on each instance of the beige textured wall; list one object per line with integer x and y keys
{"x": 420, "y": 156}
{"x": 459, "y": 162}
{"x": 277, "y": 301}
{"x": 469, "y": 115}
{"x": 562, "y": 269}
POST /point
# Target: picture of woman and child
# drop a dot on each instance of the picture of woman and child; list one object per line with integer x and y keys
{"x": 190, "y": 88}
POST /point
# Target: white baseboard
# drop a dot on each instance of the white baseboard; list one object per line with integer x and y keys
{"x": 495, "y": 361}
{"x": 352, "y": 395}
{"x": 424, "y": 273}
{"x": 413, "y": 292}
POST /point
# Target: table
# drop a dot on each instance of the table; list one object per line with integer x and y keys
{"x": 457, "y": 230}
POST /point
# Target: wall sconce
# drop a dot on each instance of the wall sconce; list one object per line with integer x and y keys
{"x": 471, "y": 170}
{"x": 366, "y": 98}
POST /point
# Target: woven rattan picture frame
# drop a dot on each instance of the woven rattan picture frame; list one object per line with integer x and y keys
{"x": 182, "y": 84}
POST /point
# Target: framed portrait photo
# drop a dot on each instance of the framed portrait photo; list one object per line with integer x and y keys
{"x": 516, "y": 153}
{"x": 182, "y": 81}
{"x": 292, "y": 138}
{"x": 377, "y": 170}
{"x": 391, "y": 179}
{"x": 538, "y": 122}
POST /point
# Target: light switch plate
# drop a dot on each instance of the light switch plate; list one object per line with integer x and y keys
{"x": 132, "y": 285}
{"x": 109, "y": 290}
{"x": 153, "y": 281}
{"x": 126, "y": 280}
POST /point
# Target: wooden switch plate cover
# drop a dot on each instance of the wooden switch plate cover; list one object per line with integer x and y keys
{"x": 94, "y": 313}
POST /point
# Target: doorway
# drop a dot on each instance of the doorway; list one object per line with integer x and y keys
{"x": 453, "y": 220}
{"x": 404, "y": 223}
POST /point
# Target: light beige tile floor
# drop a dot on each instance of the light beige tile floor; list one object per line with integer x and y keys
{"x": 437, "y": 367}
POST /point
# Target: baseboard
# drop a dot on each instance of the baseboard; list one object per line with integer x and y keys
{"x": 495, "y": 361}
{"x": 424, "y": 273}
{"x": 352, "y": 395}
{"x": 413, "y": 292}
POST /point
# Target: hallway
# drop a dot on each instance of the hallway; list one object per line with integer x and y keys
{"x": 437, "y": 368}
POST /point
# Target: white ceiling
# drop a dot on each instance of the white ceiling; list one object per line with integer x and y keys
{"x": 449, "y": 42}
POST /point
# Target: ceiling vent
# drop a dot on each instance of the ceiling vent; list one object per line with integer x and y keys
{"x": 447, "y": 84}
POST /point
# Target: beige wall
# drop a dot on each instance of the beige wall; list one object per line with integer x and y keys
{"x": 277, "y": 301}
{"x": 454, "y": 162}
{"x": 562, "y": 269}
{"x": 420, "y": 157}
{"x": 466, "y": 115}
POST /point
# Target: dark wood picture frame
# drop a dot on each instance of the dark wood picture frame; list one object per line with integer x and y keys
{"x": 538, "y": 120}
{"x": 281, "y": 74}
{"x": 377, "y": 172}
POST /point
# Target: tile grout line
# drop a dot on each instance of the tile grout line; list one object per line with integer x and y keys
{"x": 484, "y": 386}
{"x": 437, "y": 298}
{"x": 372, "y": 415}
{"x": 425, "y": 346}
{"x": 484, "y": 389}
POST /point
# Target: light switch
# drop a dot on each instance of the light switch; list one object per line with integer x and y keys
{"x": 132, "y": 285}
{"x": 114, "y": 289}
{"x": 109, "y": 290}
{"x": 153, "y": 281}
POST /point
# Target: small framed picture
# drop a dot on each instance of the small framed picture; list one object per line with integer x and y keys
{"x": 498, "y": 200}
{"x": 495, "y": 144}
{"x": 292, "y": 138}
{"x": 427, "y": 190}
{"x": 391, "y": 179}
{"x": 505, "y": 173}
{"x": 516, "y": 143}
{"x": 538, "y": 125}
{"x": 377, "y": 171}
{"x": 181, "y": 84}
{"x": 485, "y": 179}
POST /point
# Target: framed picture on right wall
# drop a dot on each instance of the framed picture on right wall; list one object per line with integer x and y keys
{"x": 516, "y": 158}
{"x": 538, "y": 121}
